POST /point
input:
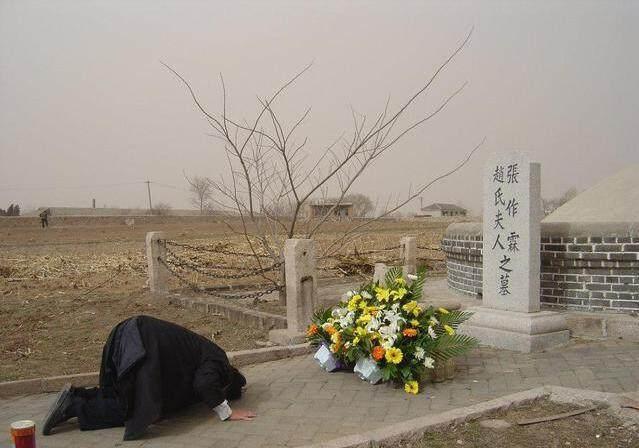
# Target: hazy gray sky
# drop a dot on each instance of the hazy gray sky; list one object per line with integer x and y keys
{"x": 85, "y": 103}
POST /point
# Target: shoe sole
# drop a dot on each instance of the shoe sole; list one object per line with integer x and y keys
{"x": 56, "y": 409}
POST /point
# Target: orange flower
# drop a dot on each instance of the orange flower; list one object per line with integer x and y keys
{"x": 312, "y": 330}
{"x": 331, "y": 330}
{"x": 378, "y": 353}
{"x": 409, "y": 332}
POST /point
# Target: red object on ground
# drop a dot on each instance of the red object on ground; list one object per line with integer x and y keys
{"x": 23, "y": 434}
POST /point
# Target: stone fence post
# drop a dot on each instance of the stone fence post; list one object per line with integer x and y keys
{"x": 380, "y": 273}
{"x": 301, "y": 291}
{"x": 282, "y": 274}
{"x": 408, "y": 254}
{"x": 158, "y": 275}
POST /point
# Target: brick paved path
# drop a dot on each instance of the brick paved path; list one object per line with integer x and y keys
{"x": 299, "y": 404}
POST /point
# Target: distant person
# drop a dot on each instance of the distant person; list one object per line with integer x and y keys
{"x": 151, "y": 368}
{"x": 44, "y": 217}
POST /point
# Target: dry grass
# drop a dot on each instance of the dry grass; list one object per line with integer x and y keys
{"x": 62, "y": 289}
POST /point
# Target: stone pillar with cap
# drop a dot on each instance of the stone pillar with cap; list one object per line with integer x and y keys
{"x": 301, "y": 291}
{"x": 408, "y": 254}
{"x": 157, "y": 273}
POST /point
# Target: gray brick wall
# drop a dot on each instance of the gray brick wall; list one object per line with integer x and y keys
{"x": 586, "y": 273}
{"x": 464, "y": 262}
{"x": 590, "y": 272}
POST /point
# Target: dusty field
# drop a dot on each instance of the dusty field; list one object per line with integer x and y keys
{"x": 596, "y": 429}
{"x": 63, "y": 288}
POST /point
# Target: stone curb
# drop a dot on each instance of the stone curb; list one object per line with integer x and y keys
{"x": 234, "y": 313}
{"x": 54, "y": 383}
{"x": 413, "y": 429}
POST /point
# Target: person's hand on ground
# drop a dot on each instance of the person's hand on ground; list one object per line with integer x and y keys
{"x": 242, "y": 414}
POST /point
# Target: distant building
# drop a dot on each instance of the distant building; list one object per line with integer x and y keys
{"x": 319, "y": 209}
{"x": 438, "y": 210}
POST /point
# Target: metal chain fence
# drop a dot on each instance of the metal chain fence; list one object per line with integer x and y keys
{"x": 180, "y": 262}
{"x": 214, "y": 250}
{"x": 182, "y": 279}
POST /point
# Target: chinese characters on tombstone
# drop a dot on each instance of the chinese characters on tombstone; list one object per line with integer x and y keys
{"x": 511, "y": 232}
{"x": 510, "y": 315}
{"x": 505, "y": 209}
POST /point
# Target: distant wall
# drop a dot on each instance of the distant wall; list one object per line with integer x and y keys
{"x": 26, "y": 221}
{"x": 584, "y": 266}
{"x": 87, "y": 211}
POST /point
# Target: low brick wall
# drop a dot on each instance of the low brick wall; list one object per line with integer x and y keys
{"x": 462, "y": 245}
{"x": 584, "y": 266}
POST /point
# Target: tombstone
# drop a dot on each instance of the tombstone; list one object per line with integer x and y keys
{"x": 510, "y": 315}
{"x": 301, "y": 291}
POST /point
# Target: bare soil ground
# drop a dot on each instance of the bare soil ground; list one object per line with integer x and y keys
{"x": 62, "y": 289}
{"x": 596, "y": 429}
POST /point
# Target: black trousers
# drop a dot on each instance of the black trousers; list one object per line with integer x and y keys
{"x": 95, "y": 410}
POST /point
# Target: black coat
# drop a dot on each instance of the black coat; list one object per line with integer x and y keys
{"x": 156, "y": 367}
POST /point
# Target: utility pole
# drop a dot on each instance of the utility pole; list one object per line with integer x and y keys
{"x": 148, "y": 188}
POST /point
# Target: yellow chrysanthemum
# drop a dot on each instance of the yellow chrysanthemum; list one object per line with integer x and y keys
{"x": 449, "y": 329}
{"x": 361, "y": 332}
{"x": 411, "y": 387}
{"x": 364, "y": 319}
{"x": 356, "y": 298}
{"x": 356, "y": 340}
{"x": 443, "y": 310}
{"x": 363, "y": 304}
{"x": 394, "y": 355}
{"x": 414, "y": 323}
{"x": 400, "y": 281}
{"x": 417, "y": 311}
{"x": 382, "y": 294}
{"x": 352, "y": 306}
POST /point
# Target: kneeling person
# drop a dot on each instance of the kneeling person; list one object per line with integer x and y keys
{"x": 149, "y": 369}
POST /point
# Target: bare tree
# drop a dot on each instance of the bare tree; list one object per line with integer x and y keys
{"x": 363, "y": 206}
{"x": 202, "y": 191}
{"x": 550, "y": 205}
{"x": 273, "y": 174}
{"x": 162, "y": 209}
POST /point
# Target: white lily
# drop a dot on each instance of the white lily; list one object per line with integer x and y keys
{"x": 432, "y": 333}
{"x": 419, "y": 353}
{"x": 373, "y": 325}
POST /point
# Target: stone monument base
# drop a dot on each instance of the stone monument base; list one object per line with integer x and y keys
{"x": 286, "y": 337}
{"x": 511, "y": 330}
